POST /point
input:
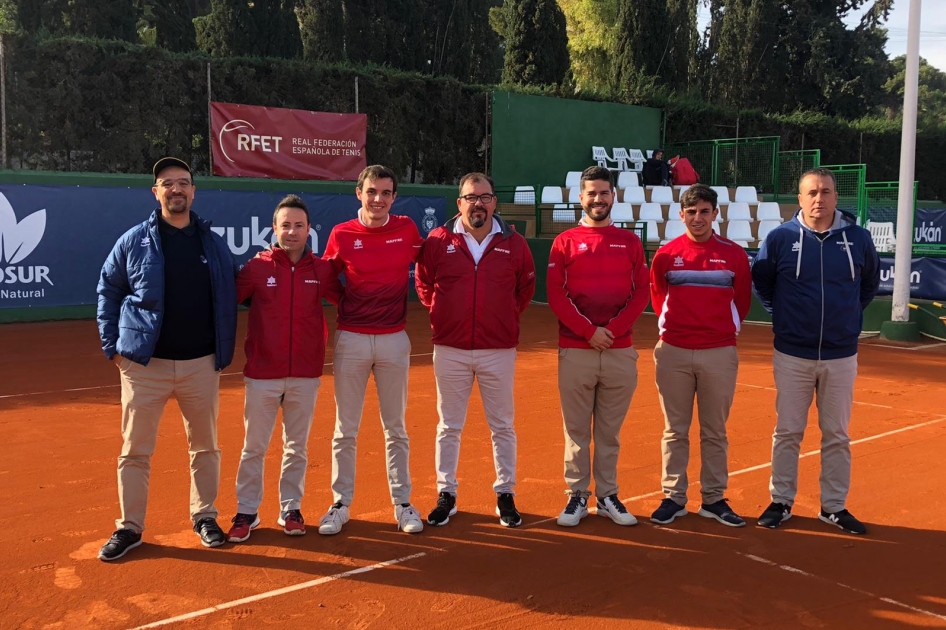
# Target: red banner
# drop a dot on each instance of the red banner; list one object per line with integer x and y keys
{"x": 279, "y": 143}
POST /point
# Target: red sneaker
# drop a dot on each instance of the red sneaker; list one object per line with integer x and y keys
{"x": 243, "y": 524}
{"x": 292, "y": 523}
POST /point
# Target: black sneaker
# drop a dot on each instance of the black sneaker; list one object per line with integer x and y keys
{"x": 506, "y": 510}
{"x": 119, "y": 544}
{"x": 775, "y": 515}
{"x": 210, "y": 533}
{"x": 843, "y": 519}
{"x": 722, "y": 513}
{"x": 446, "y": 507}
{"x": 668, "y": 510}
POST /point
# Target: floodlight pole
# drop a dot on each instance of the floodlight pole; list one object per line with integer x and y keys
{"x": 899, "y": 327}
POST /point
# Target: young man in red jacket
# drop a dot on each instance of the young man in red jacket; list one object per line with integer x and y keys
{"x": 701, "y": 290}
{"x": 285, "y": 353}
{"x": 476, "y": 276}
{"x": 597, "y": 287}
{"x": 374, "y": 252}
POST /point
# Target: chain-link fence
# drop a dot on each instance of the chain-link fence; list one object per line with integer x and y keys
{"x": 851, "y": 179}
{"x": 791, "y": 164}
{"x": 732, "y": 161}
{"x": 882, "y": 200}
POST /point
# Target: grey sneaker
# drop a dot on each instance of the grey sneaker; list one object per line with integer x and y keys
{"x": 576, "y": 510}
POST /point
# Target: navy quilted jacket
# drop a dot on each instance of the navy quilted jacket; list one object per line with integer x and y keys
{"x": 131, "y": 293}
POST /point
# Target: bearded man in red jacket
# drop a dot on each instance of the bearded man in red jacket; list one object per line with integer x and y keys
{"x": 285, "y": 354}
{"x": 476, "y": 276}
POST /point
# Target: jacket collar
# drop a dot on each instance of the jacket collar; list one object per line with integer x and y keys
{"x": 505, "y": 229}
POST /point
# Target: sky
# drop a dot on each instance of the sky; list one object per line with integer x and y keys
{"x": 932, "y": 29}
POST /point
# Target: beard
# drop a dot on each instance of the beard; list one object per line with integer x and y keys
{"x": 477, "y": 219}
{"x": 598, "y": 213}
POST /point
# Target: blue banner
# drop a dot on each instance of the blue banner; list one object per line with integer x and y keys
{"x": 929, "y": 226}
{"x": 927, "y": 277}
{"x": 54, "y": 239}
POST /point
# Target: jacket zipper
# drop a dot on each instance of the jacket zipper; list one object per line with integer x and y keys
{"x": 292, "y": 297}
{"x": 821, "y": 328}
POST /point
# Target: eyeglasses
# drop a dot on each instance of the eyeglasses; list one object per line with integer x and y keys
{"x": 483, "y": 199}
{"x": 170, "y": 183}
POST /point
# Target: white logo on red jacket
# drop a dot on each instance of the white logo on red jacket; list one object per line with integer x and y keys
{"x": 358, "y": 244}
{"x": 678, "y": 261}
{"x": 271, "y": 281}
{"x": 451, "y": 248}
{"x": 582, "y": 247}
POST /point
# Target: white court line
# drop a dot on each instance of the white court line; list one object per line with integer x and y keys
{"x": 750, "y": 469}
{"x": 856, "y": 402}
{"x": 913, "y": 349}
{"x": 792, "y": 569}
{"x": 278, "y": 591}
{"x": 84, "y": 389}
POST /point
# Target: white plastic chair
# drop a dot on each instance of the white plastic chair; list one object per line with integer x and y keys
{"x": 653, "y": 236}
{"x": 768, "y": 211}
{"x": 622, "y": 213}
{"x": 626, "y": 179}
{"x": 882, "y": 234}
{"x": 651, "y": 212}
{"x": 739, "y": 232}
{"x": 622, "y": 158}
{"x": 661, "y": 194}
{"x": 573, "y": 194}
{"x": 552, "y": 194}
{"x": 723, "y": 193}
{"x": 524, "y": 196}
{"x": 674, "y": 212}
{"x": 637, "y": 160}
{"x": 673, "y": 230}
{"x": 572, "y": 179}
{"x": 680, "y": 190}
{"x": 634, "y": 194}
{"x": 563, "y": 213}
{"x": 600, "y": 155}
{"x": 766, "y": 226}
{"x": 738, "y": 211}
{"x": 747, "y": 194}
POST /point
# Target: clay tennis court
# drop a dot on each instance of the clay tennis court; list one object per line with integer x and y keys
{"x": 60, "y": 415}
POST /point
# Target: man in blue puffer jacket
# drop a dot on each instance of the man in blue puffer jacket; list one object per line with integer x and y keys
{"x": 816, "y": 274}
{"x": 167, "y": 319}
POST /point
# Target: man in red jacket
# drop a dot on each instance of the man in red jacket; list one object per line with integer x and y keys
{"x": 476, "y": 276}
{"x": 285, "y": 353}
{"x": 597, "y": 287}
{"x": 374, "y": 251}
{"x": 701, "y": 290}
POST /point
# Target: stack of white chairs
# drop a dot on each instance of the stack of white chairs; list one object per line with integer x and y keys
{"x": 600, "y": 155}
{"x": 637, "y": 160}
{"x": 622, "y": 158}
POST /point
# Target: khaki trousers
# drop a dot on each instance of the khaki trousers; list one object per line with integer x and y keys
{"x": 595, "y": 390}
{"x": 264, "y": 397}
{"x": 797, "y": 381}
{"x": 145, "y": 391}
{"x": 710, "y": 376}
{"x": 357, "y": 357}
{"x": 494, "y": 372}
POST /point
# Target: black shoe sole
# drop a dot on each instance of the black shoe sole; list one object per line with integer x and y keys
{"x": 678, "y": 514}
{"x": 453, "y": 511}
{"x": 124, "y": 551}
{"x": 839, "y": 526}
{"x": 708, "y": 514}
{"x": 777, "y": 524}
{"x": 504, "y": 523}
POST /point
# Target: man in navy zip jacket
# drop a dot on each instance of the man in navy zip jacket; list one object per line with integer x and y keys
{"x": 816, "y": 274}
{"x": 167, "y": 319}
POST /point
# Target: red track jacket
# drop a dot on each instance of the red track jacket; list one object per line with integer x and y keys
{"x": 475, "y": 307}
{"x": 287, "y": 333}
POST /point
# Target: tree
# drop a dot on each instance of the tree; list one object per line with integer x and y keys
{"x": 228, "y": 31}
{"x": 640, "y": 45}
{"x": 174, "y": 25}
{"x": 591, "y": 31}
{"x": 276, "y": 29}
{"x": 116, "y": 19}
{"x": 536, "y": 41}
{"x": 931, "y": 92}
{"x": 322, "y": 29}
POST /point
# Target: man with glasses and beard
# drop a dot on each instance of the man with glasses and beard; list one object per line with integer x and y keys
{"x": 598, "y": 285}
{"x": 167, "y": 319}
{"x": 476, "y": 276}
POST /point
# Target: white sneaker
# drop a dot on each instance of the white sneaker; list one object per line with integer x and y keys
{"x": 576, "y": 510}
{"x": 333, "y": 520}
{"x": 613, "y": 508}
{"x": 408, "y": 520}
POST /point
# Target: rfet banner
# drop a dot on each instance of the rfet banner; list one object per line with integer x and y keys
{"x": 54, "y": 239}
{"x": 279, "y": 143}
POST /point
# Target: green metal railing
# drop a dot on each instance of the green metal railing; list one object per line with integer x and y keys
{"x": 882, "y": 200}
{"x": 791, "y": 164}
{"x": 733, "y": 161}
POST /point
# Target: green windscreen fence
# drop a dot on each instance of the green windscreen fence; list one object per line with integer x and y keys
{"x": 851, "y": 179}
{"x": 791, "y": 164}
{"x": 882, "y": 200}
{"x": 537, "y": 140}
{"x": 733, "y": 161}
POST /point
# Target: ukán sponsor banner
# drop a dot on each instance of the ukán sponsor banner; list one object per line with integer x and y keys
{"x": 929, "y": 226}
{"x": 278, "y": 143}
{"x": 927, "y": 277}
{"x": 54, "y": 239}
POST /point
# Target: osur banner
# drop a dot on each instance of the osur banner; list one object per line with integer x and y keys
{"x": 54, "y": 239}
{"x": 278, "y": 143}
